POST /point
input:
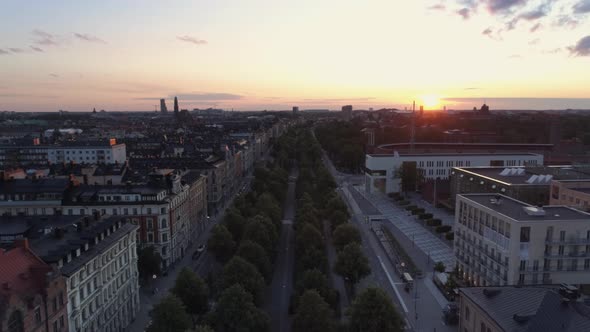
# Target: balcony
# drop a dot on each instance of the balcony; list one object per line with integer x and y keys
{"x": 571, "y": 255}
{"x": 570, "y": 241}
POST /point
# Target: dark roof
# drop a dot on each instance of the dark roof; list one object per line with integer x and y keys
{"x": 529, "y": 309}
{"x": 514, "y": 209}
{"x": 24, "y": 186}
{"x": 558, "y": 173}
{"x": 51, "y": 248}
{"x": 33, "y": 225}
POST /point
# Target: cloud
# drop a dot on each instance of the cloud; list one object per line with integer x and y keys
{"x": 515, "y": 56}
{"x": 215, "y": 96}
{"x": 582, "y": 7}
{"x": 36, "y": 49}
{"x": 54, "y": 75}
{"x": 464, "y": 12}
{"x": 89, "y": 38}
{"x": 553, "y": 51}
{"x": 41, "y": 37}
{"x": 534, "y": 41}
{"x": 566, "y": 21}
{"x": 472, "y": 88}
{"x": 16, "y": 50}
{"x": 3, "y": 52}
{"x": 503, "y": 6}
{"x": 438, "y": 6}
{"x": 26, "y": 95}
{"x": 338, "y": 100}
{"x": 191, "y": 40}
{"x": 582, "y": 48}
{"x": 535, "y": 27}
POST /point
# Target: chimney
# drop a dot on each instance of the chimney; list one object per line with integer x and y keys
{"x": 22, "y": 243}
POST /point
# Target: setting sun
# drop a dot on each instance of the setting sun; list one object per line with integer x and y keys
{"x": 430, "y": 101}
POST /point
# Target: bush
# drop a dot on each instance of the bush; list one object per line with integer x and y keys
{"x": 417, "y": 211}
{"x": 424, "y": 216}
{"x": 450, "y": 236}
{"x": 443, "y": 229}
{"x": 433, "y": 222}
{"x": 411, "y": 207}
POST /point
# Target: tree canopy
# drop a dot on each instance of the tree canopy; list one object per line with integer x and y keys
{"x": 149, "y": 262}
{"x": 170, "y": 316}
{"x": 345, "y": 234}
{"x": 221, "y": 243}
{"x": 236, "y": 312}
{"x": 255, "y": 254}
{"x": 373, "y": 311}
{"x": 240, "y": 271}
{"x": 193, "y": 292}
{"x": 352, "y": 264}
{"x": 313, "y": 314}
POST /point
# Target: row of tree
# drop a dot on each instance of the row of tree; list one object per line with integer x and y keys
{"x": 316, "y": 302}
{"x": 245, "y": 242}
{"x": 344, "y": 142}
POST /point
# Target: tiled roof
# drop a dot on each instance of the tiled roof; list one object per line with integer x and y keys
{"x": 17, "y": 267}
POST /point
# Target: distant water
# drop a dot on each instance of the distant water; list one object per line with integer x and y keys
{"x": 518, "y": 103}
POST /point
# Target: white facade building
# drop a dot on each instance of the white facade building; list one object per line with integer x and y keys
{"x": 99, "y": 261}
{"x": 503, "y": 241}
{"x": 382, "y": 170}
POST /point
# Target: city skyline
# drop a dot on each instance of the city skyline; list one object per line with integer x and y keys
{"x": 262, "y": 54}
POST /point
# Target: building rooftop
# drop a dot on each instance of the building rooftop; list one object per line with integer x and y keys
{"x": 57, "y": 245}
{"x": 529, "y": 309}
{"x": 521, "y": 211}
{"x": 24, "y": 186}
{"x": 462, "y": 154}
{"x": 21, "y": 270}
{"x": 519, "y": 175}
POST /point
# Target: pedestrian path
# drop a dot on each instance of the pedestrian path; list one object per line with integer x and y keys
{"x": 427, "y": 242}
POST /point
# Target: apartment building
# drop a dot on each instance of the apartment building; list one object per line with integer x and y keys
{"x": 33, "y": 294}
{"x": 106, "y": 152}
{"x": 503, "y": 241}
{"x": 382, "y": 170}
{"x": 98, "y": 259}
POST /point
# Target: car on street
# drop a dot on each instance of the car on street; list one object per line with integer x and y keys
{"x": 198, "y": 252}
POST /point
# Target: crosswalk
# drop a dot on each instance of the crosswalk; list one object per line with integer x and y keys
{"x": 431, "y": 246}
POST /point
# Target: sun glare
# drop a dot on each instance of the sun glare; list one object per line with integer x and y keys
{"x": 430, "y": 101}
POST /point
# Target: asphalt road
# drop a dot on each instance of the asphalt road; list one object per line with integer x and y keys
{"x": 281, "y": 287}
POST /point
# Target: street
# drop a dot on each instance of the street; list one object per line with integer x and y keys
{"x": 421, "y": 308}
{"x": 279, "y": 292}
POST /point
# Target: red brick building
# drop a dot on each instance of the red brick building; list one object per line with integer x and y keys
{"x": 33, "y": 297}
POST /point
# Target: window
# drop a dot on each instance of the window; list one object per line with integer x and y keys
{"x": 559, "y": 265}
{"x": 61, "y": 322}
{"x": 521, "y": 279}
{"x": 164, "y": 223}
{"x": 55, "y": 329}
{"x": 15, "y": 322}
{"x": 54, "y": 302}
{"x": 587, "y": 264}
{"x": 562, "y": 236}
{"x": 560, "y": 250}
{"x": 164, "y": 250}
{"x": 466, "y": 313}
{"x": 164, "y": 237}
{"x": 150, "y": 237}
{"x": 38, "y": 315}
{"x": 61, "y": 299}
{"x": 149, "y": 210}
{"x": 525, "y": 234}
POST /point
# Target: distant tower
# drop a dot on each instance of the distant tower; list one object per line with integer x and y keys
{"x": 295, "y": 109}
{"x": 413, "y": 127}
{"x": 163, "y": 107}
{"x": 176, "y": 105}
{"x": 347, "y": 110}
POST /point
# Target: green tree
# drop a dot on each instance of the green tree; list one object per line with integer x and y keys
{"x": 149, "y": 262}
{"x": 236, "y": 312}
{"x": 255, "y": 254}
{"x": 314, "y": 279}
{"x": 235, "y": 223}
{"x": 193, "y": 292}
{"x": 240, "y": 271}
{"x": 170, "y": 316}
{"x": 337, "y": 218}
{"x": 312, "y": 259}
{"x": 268, "y": 205}
{"x": 439, "y": 267}
{"x": 373, "y": 311}
{"x": 221, "y": 243}
{"x": 307, "y": 238}
{"x": 345, "y": 234}
{"x": 352, "y": 264}
{"x": 313, "y": 314}
{"x": 201, "y": 328}
{"x": 261, "y": 230}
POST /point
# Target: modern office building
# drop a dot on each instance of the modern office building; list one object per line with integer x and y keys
{"x": 347, "y": 111}
{"x": 520, "y": 309}
{"x": 382, "y": 170}
{"x": 530, "y": 184}
{"x": 503, "y": 241}
{"x": 98, "y": 258}
{"x": 574, "y": 193}
{"x": 176, "y": 109}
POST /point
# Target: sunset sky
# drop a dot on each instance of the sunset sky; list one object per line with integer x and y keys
{"x": 273, "y": 54}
